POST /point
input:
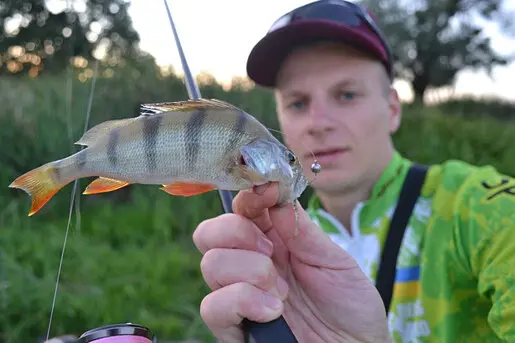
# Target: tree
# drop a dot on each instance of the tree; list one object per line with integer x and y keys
{"x": 44, "y": 34}
{"x": 432, "y": 40}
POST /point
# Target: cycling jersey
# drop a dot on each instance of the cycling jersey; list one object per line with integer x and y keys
{"x": 455, "y": 278}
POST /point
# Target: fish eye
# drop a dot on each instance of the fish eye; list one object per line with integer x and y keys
{"x": 291, "y": 157}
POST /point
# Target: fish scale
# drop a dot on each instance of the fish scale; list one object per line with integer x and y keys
{"x": 187, "y": 147}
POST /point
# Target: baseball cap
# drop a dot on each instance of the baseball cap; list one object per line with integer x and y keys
{"x": 327, "y": 20}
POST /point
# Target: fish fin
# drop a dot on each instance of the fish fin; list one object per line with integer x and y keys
{"x": 104, "y": 185}
{"x": 102, "y": 129}
{"x": 187, "y": 105}
{"x": 217, "y": 103}
{"x": 187, "y": 188}
{"x": 40, "y": 184}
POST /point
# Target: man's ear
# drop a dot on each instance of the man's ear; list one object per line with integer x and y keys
{"x": 395, "y": 113}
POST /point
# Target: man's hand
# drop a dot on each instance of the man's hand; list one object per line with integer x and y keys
{"x": 259, "y": 270}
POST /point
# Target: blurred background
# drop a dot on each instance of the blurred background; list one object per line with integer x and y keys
{"x": 129, "y": 255}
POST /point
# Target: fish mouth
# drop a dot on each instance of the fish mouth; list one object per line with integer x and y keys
{"x": 242, "y": 161}
{"x": 252, "y": 168}
{"x": 262, "y": 159}
{"x": 262, "y": 170}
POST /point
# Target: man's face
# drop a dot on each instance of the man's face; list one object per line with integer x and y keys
{"x": 338, "y": 103}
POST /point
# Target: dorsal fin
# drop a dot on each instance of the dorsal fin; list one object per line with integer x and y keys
{"x": 102, "y": 129}
{"x": 187, "y": 105}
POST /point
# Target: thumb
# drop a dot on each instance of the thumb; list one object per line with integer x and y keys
{"x": 311, "y": 244}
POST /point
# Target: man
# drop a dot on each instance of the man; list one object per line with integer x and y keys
{"x": 455, "y": 279}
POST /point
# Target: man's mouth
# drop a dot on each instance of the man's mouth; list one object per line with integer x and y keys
{"x": 327, "y": 152}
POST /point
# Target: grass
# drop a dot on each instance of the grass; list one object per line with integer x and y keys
{"x": 132, "y": 257}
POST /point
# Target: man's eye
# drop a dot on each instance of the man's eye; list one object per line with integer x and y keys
{"x": 348, "y": 95}
{"x": 297, "y": 105}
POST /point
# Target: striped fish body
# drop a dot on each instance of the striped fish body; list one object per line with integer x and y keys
{"x": 200, "y": 146}
{"x": 188, "y": 147}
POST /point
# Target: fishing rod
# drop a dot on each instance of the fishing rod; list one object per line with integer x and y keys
{"x": 276, "y": 330}
{"x": 194, "y": 93}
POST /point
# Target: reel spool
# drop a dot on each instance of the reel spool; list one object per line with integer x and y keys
{"x": 118, "y": 333}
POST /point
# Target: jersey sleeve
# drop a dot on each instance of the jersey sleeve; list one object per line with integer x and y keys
{"x": 485, "y": 220}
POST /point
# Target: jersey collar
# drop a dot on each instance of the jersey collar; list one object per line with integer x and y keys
{"x": 390, "y": 180}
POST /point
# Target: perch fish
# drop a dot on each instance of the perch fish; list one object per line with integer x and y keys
{"x": 188, "y": 147}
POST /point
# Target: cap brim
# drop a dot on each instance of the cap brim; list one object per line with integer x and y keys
{"x": 268, "y": 54}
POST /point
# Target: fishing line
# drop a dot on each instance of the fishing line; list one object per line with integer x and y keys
{"x": 74, "y": 190}
{"x": 69, "y": 96}
{"x": 315, "y": 166}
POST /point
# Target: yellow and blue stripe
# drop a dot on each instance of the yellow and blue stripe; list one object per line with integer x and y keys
{"x": 407, "y": 282}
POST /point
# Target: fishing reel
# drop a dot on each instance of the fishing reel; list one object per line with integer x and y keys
{"x": 117, "y": 333}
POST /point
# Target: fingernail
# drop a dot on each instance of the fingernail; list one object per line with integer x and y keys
{"x": 261, "y": 189}
{"x": 282, "y": 287}
{"x": 265, "y": 246}
{"x": 272, "y": 301}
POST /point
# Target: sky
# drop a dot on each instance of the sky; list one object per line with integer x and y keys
{"x": 217, "y": 37}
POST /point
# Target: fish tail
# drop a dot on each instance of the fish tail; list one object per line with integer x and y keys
{"x": 41, "y": 184}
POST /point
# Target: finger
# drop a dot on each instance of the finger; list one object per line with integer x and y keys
{"x": 231, "y": 231}
{"x": 254, "y": 204}
{"x": 224, "y": 309}
{"x": 222, "y": 267}
{"x": 311, "y": 244}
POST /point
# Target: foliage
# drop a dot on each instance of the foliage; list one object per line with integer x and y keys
{"x": 496, "y": 108}
{"x": 40, "y": 35}
{"x": 433, "y": 40}
{"x": 132, "y": 257}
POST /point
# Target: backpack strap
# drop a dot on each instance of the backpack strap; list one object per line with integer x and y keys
{"x": 387, "y": 268}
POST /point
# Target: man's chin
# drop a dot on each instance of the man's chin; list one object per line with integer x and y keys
{"x": 334, "y": 181}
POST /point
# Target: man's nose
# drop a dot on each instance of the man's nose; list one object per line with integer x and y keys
{"x": 320, "y": 120}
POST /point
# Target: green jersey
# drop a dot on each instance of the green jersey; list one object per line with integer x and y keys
{"x": 455, "y": 278}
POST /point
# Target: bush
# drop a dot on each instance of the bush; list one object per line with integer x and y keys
{"x": 433, "y": 135}
{"x": 132, "y": 257}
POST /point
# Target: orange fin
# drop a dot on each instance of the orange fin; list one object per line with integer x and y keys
{"x": 40, "y": 184}
{"x": 187, "y": 188}
{"x": 104, "y": 185}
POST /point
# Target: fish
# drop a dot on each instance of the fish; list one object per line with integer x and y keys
{"x": 187, "y": 147}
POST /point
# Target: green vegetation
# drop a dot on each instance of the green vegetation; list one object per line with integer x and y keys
{"x": 132, "y": 257}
